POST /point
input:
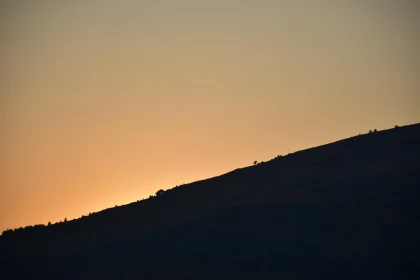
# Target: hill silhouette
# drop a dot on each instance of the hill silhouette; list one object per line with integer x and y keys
{"x": 345, "y": 210}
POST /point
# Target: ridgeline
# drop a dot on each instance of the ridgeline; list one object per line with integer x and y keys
{"x": 345, "y": 210}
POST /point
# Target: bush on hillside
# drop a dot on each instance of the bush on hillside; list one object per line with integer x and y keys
{"x": 159, "y": 192}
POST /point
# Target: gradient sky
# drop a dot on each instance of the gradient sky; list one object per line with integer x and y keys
{"x": 105, "y": 102}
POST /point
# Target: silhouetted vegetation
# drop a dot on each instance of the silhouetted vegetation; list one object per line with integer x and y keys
{"x": 159, "y": 192}
{"x": 343, "y": 210}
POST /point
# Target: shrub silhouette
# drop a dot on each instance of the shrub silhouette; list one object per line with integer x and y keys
{"x": 375, "y": 130}
{"x": 159, "y": 192}
{"x": 255, "y": 162}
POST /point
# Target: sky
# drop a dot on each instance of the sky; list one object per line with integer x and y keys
{"x": 103, "y": 103}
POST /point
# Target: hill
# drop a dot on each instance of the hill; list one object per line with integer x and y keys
{"x": 346, "y": 210}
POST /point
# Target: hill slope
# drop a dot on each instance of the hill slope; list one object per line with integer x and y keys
{"x": 349, "y": 209}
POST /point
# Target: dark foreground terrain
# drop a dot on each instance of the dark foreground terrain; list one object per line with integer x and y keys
{"x": 346, "y": 210}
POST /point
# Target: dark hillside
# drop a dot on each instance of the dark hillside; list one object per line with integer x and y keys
{"x": 346, "y": 210}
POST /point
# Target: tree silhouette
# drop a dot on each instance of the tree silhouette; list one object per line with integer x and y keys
{"x": 159, "y": 192}
{"x": 255, "y": 162}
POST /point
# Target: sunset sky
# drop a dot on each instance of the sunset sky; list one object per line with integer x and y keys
{"x": 104, "y": 102}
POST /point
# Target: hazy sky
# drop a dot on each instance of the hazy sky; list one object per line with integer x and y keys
{"x": 105, "y": 102}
